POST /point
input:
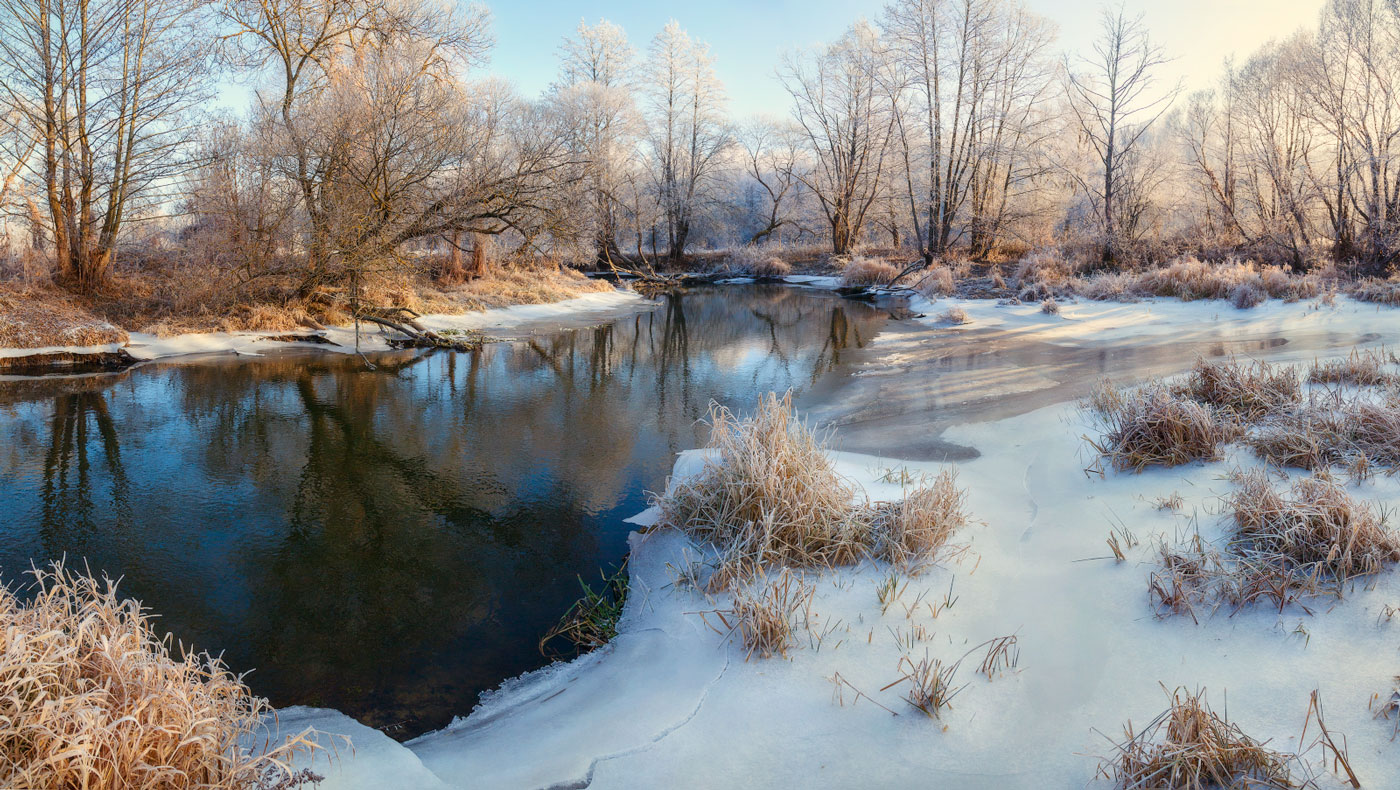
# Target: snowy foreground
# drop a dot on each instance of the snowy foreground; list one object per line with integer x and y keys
{"x": 671, "y": 703}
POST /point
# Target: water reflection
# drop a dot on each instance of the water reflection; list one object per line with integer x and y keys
{"x": 390, "y": 542}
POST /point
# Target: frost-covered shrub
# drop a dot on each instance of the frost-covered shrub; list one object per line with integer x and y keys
{"x": 1048, "y": 267}
{"x": 1377, "y": 291}
{"x": 936, "y": 281}
{"x": 751, "y": 261}
{"x": 868, "y": 271}
{"x": 1248, "y": 294}
{"x": 771, "y": 266}
{"x": 954, "y": 315}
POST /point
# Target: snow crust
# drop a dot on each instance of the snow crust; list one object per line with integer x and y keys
{"x": 370, "y": 760}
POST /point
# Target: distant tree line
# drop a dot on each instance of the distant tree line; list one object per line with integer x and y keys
{"x": 943, "y": 127}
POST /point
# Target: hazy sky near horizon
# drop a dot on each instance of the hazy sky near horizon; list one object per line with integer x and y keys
{"x": 747, "y": 37}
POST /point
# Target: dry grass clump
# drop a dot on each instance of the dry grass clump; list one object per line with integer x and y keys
{"x": 936, "y": 281}
{"x": 1304, "y": 440}
{"x": 1050, "y": 307}
{"x": 1186, "y": 576}
{"x": 1248, "y": 390}
{"x": 503, "y": 286}
{"x": 765, "y": 614}
{"x": 1282, "y": 547}
{"x": 1151, "y": 425}
{"x": 1190, "y": 747}
{"x": 91, "y": 697}
{"x": 1315, "y": 533}
{"x": 868, "y": 271}
{"x": 1359, "y": 368}
{"x": 1244, "y": 283}
{"x": 772, "y": 266}
{"x": 1048, "y": 267}
{"x": 1356, "y": 433}
{"x": 39, "y": 318}
{"x": 753, "y": 261}
{"x": 954, "y": 315}
{"x": 930, "y": 686}
{"x": 912, "y": 530}
{"x": 770, "y": 497}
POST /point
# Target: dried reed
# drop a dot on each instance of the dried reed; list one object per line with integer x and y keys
{"x": 1190, "y": 747}
{"x": 911, "y": 531}
{"x": 1359, "y": 368}
{"x": 1151, "y": 425}
{"x": 764, "y": 613}
{"x": 91, "y": 697}
{"x": 770, "y": 497}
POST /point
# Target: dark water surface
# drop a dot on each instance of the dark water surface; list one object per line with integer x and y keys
{"x": 390, "y": 542}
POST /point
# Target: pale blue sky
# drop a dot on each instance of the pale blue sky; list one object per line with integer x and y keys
{"x": 748, "y": 37}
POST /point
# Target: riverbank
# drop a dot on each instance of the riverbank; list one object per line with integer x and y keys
{"x": 145, "y": 346}
{"x": 684, "y": 707}
{"x": 42, "y": 326}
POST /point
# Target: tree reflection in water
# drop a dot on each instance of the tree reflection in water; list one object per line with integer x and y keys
{"x": 390, "y": 542}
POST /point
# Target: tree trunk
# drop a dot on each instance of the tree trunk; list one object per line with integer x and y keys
{"x": 481, "y": 256}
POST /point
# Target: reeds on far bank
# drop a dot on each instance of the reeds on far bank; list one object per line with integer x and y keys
{"x": 91, "y": 697}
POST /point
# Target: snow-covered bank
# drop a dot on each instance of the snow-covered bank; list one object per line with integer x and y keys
{"x": 924, "y": 375}
{"x": 671, "y": 703}
{"x": 517, "y": 318}
{"x": 43, "y": 351}
{"x": 1091, "y": 653}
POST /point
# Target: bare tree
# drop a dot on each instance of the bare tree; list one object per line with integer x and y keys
{"x": 773, "y": 160}
{"x": 305, "y": 46}
{"x": 686, "y": 128}
{"x": 1113, "y": 106}
{"x": 840, "y": 103}
{"x": 105, "y": 87}
{"x": 594, "y": 90}
{"x": 1352, "y": 77}
{"x": 970, "y": 77}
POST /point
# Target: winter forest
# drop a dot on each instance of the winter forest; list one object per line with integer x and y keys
{"x": 377, "y": 141}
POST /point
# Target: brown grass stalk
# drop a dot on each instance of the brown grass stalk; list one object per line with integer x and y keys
{"x": 92, "y": 697}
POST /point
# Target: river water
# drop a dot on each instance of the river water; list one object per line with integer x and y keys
{"x": 391, "y": 542}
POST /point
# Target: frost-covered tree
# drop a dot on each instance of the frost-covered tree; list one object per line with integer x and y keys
{"x": 773, "y": 163}
{"x": 840, "y": 101}
{"x": 684, "y": 108}
{"x": 104, "y": 90}
{"x": 1114, "y": 101}
{"x": 969, "y": 78}
{"x": 594, "y": 92}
